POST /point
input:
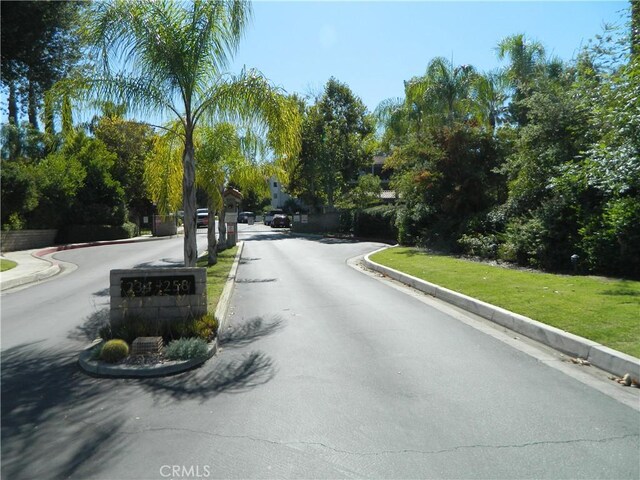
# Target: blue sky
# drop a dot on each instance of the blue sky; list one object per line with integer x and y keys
{"x": 374, "y": 46}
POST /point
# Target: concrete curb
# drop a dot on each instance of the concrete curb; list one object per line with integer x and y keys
{"x": 598, "y": 355}
{"x": 102, "y": 369}
{"x": 53, "y": 268}
{"x": 100, "y": 243}
{"x": 225, "y": 299}
{"x": 50, "y": 271}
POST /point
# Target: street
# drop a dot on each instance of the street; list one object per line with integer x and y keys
{"x": 324, "y": 372}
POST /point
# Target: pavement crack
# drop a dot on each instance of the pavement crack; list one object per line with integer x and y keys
{"x": 293, "y": 444}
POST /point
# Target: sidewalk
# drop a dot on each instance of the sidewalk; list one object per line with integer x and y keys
{"x": 37, "y": 265}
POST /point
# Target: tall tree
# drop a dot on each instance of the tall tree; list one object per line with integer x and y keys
{"x": 39, "y": 47}
{"x": 526, "y": 59}
{"x": 131, "y": 142}
{"x": 175, "y": 55}
{"x": 337, "y": 143}
{"x": 442, "y": 93}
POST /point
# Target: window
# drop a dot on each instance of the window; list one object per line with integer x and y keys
{"x": 275, "y": 195}
{"x": 275, "y": 184}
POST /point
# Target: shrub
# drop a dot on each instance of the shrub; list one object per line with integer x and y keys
{"x": 129, "y": 329}
{"x": 479, "y": 245}
{"x": 186, "y": 348}
{"x": 376, "y": 222}
{"x": 114, "y": 350}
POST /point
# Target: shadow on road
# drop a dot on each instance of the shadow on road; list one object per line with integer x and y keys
{"x": 166, "y": 263}
{"x": 220, "y": 375}
{"x": 253, "y": 329}
{"x": 54, "y": 418}
{"x": 89, "y": 330}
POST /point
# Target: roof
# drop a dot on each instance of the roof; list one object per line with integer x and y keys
{"x": 232, "y": 192}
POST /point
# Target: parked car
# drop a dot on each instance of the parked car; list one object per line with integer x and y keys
{"x": 269, "y": 216}
{"x": 243, "y": 217}
{"x": 202, "y": 217}
{"x": 280, "y": 220}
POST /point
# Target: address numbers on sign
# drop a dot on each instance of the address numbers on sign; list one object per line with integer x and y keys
{"x": 157, "y": 286}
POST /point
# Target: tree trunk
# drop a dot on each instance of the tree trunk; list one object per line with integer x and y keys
{"x": 33, "y": 106}
{"x": 189, "y": 201}
{"x": 222, "y": 226}
{"x": 13, "y": 103}
{"x": 212, "y": 246}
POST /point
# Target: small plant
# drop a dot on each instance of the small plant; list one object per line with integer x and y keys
{"x": 186, "y": 349}
{"x": 206, "y": 327}
{"x": 114, "y": 350}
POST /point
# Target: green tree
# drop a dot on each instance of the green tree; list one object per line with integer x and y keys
{"x": 132, "y": 142}
{"x": 442, "y": 94}
{"x": 337, "y": 143}
{"x": 39, "y": 46}
{"x": 526, "y": 60}
{"x": 175, "y": 55}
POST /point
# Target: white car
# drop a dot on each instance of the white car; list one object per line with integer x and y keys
{"x": 202, "y": 217}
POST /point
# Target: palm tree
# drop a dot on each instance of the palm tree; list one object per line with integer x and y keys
{"x": 173, "y": 57}
{"x": 525, "y": 58}
{"x": 442, "y": 93}
{"x": 489, "y": 94}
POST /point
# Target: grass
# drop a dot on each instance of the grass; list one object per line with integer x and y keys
{"x": 604, "y": 310}
{"x": 217, "y": 276}
{"x": 6, "y": 265}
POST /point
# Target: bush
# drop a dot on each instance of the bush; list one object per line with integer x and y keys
{"x": 204, "y": 327}
{"x": 186, "y": 349}
{"x": 376, "y": 222}
{"x": 114, "y": 350}
{"x": 93, "y": 233}
{"x": 479, "y": 245}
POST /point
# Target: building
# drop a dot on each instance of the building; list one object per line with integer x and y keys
{"x": 278, "y": 196}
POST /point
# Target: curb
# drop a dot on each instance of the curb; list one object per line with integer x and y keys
{"x": 598, "y": 355}
{"x": 100, "y": 369}
{"x": 100, "y": 243}
{"x": 54, "y": 268}
{"x": 225, "y": 298}
{"x": 50, "y": 271}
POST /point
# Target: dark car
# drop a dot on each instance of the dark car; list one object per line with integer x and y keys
{"x": 243, "y": 217}
{"x": 269, "y": 216}
{"x": 280, "y": 220}
{"x": 202, "y": 217}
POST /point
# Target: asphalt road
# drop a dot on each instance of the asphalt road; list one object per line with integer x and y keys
{"x": 324, "y": 373}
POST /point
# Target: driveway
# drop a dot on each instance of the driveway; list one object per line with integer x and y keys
{"x": 324, "y": 372}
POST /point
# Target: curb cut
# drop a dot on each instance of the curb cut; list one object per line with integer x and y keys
{"x": 101, "y": 369}
{"x": 598, "y": 355}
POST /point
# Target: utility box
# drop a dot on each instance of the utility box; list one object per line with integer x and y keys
{"x": 232, "y": 199}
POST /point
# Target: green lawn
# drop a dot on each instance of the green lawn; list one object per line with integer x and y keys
{"x": 604, "y": 310}
{"x": 6, "y": 264}
{"x": 217, "y": 276}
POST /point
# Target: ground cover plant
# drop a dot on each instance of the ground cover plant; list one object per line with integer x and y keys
{"x": 605, "y": 310}
{"x": 186, "y": 348}
{"x": 6, "y": 265}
